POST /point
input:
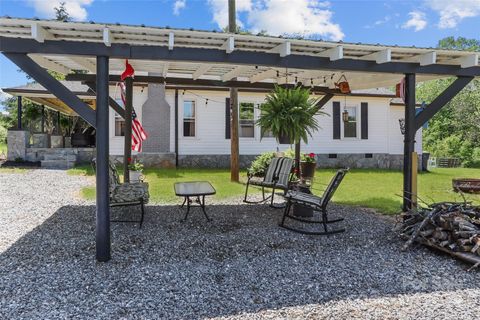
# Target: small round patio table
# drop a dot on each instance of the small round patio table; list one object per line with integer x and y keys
{"x": 196, "y": 190}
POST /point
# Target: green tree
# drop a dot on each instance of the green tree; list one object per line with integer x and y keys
{"x": 61, "y": 13}
{"x": 455, "y": 130}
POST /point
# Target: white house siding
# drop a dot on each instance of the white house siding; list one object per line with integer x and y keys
{"x": 383, "y": 137}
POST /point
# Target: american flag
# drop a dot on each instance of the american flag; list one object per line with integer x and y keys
{"x": 138, "y": 133}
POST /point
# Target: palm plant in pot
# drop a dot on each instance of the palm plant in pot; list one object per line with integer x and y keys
{"x": 290, "y": 113}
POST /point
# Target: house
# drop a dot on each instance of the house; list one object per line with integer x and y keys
{"x": 200, "y": 136}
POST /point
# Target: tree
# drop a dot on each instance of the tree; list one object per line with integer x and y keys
{"x": 454, "y": 130}
{"x": 61, "y": 13}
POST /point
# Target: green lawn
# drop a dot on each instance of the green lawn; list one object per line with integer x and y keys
{"x": 377, "y": 189}
{"x": 3, "y": 148}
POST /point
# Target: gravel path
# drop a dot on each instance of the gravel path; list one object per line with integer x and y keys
{"x": 241, "y": 265}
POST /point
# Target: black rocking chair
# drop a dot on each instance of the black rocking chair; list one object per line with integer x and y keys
{"x": 317, "y": 204}
{"x": 277, "y": 177}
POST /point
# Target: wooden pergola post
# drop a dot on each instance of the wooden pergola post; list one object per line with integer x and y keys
{"x": 234, "y": 142}
{"x": 128, "y": 127}
{"x": 43, "y": 119}
{"x": 409, "y": 141}
{"x": 102, "y": 136}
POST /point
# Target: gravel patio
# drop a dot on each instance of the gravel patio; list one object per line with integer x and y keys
{"x": 241, "y": 265}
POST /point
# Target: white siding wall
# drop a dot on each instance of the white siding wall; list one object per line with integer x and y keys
{"x": 383, "y": 137}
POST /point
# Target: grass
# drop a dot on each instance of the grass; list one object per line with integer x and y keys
{"x": 376, "y": 189}
{"x": 13, "y": 170}
{"x": 3, "y": 148}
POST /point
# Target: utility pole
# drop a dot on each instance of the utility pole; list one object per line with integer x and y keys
{"x": 234, "y": 144}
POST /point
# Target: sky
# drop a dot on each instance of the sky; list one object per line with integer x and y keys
{"x": 418, "y": 23}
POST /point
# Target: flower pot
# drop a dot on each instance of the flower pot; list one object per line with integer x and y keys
{"x": 307, "y": 169}
{"x": 135, "y": 176}
{"x": 283, "y": 139}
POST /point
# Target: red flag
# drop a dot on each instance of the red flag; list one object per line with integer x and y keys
{"x": 129, "y": 71}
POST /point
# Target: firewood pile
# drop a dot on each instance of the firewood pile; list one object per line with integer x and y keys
{"x": 450, "y": 227}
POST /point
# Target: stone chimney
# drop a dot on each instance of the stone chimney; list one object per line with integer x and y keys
{"x": 156, "y": 120}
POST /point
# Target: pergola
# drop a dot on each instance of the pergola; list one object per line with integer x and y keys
{"x": 217, "y": 59}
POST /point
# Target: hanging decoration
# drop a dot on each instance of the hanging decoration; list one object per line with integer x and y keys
{"x": 138, "y": 133}
{"x": 343, "y": 86}
{"x": 345, "y": 111}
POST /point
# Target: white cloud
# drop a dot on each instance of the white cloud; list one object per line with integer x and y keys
{"x": 220, "y": 10}
{"x": 4, "y": 96}
{"x": 453, "y": 11}
{"x": 179, "y": 5}
{"x": 417, "y": 21}
{"x": 303, "y": 17}
{"x": 277, "y": 17}
{"x": 75, "y": 8}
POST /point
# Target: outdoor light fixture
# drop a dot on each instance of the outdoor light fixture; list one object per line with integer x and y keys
{"x": 401, "y": 122}
{"x": 345, "y": 115}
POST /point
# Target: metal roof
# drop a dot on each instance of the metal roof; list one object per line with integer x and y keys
{"x": 111, "y": 34}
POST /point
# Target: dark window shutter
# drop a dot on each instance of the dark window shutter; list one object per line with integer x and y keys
{"x": 227, "y": 118}
{"x": 364, "y": 120}
{"x": 336, "y": 120}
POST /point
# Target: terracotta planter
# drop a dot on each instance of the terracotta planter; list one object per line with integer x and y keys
{"x": 135, "y": 176}
{"x": 307, "y": 169}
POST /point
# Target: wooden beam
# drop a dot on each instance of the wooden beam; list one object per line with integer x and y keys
{"x": 380, "y": 57}
{"x": 334, "y": 54}
{"x": 54, "y": 86}
{"x": 84, "y": 63}
{"x": 171, "y": 40}
{"x": 40, "y": 34}
{"x": 234, "y": 72}
{"x": 166, "y": 65}
{"x": 202, "y": 69}
{"x": 284, "y": 49}
{"x": 409, "y": 140}
{"x": 427, "y": 58}
{"x": 440, "y": 101}
{"x": 50, "y": 65}
{"x": 262, "y": 75}
{"x": 469, "y": 61}
{"x": 113, "y": 104}
{"x": 229, "y": 45}
{"x": 107, "y": 37}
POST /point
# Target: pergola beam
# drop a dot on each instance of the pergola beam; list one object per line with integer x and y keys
{"x": 427, "y": 58}
{"x": 107, "y": 37}
{"x": 469, "y": 61}
{"x": 201, "y": 71}
{"x": 283, "y": 49}
{"x": 40, "y": 34}
{"x": 53, "y": 85}
{"x": 84, "y": 63}
{"x": 113, "y": 104}
{"x": 50, "y": 65}
{"x": 446, "y": 96}
{"x": 234, "y": 72}
{"x": 202, "y": 55}
{"x": 267, "y": 74}
{"x": 229, "y": 45}
{"x": 171, "y": 40}
{"x": 380, "y": 57}
{"x": 333, "y": 54}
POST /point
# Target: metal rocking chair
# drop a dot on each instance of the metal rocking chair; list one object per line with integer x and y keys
{"x": 126, "y": 194}
{"x": 317, "y": 204}
{"x": 277, "y": 177}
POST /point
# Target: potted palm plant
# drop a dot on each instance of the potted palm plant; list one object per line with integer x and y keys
{"x": 288, "y": 113}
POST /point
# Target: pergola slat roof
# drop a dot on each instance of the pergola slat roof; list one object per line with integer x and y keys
{"x": 115, "y": 34}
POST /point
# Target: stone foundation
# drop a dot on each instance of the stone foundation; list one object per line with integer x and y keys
{"x": 17, "y": 142}
{"x": 151, "y": 159}
{"x": 82, "y": 155}
{"x": 349, "y": 160}
{"x": 56, "y": 141}
{"x": 40, "y": 140}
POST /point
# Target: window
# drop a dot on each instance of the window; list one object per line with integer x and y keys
{"x": 268, "y": 133}
{"x": 247, "y": 120}
{"x": 119, "y": 126}
{"x": 189, "y": 114}
{"x": 350, "y": 127}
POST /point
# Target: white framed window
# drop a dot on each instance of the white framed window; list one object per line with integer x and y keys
{"x": 350, "y": 127}
{"x": 268, "y": 133}
{"x": 119, "y": 126}
{"x": 247, "y": 120}
{"x": 189, "y": 118}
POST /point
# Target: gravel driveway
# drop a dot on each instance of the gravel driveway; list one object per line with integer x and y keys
{"x": 241, "y": 265}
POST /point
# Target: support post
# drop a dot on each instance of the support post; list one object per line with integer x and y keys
{"x": 19, "y": 112}
{"x": 103, "y": 208}
{"x": 297, "y": 159}
{"x": 43, "y": 119}
{"x": 58, "y": 124}
{"x": 176, "y": 128}
{"x": 234, "y": 143}
{"x": 409, "y": 140}
{"x": 127, "y": 154}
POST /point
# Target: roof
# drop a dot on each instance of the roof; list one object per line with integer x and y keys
{"x": 124, "y": 36}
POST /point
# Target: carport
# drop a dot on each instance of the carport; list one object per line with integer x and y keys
{"x": 217, "y": 59}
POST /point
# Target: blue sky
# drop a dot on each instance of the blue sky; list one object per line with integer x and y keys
{"x": 409, "y": 22}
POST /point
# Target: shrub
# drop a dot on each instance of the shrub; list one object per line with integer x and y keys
{"x": 260, "y": 164}
{"x": 3, "y": 134}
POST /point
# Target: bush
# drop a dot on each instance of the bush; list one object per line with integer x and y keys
{"x": 260, "y": 164}
{"x": 3, "y": 134}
